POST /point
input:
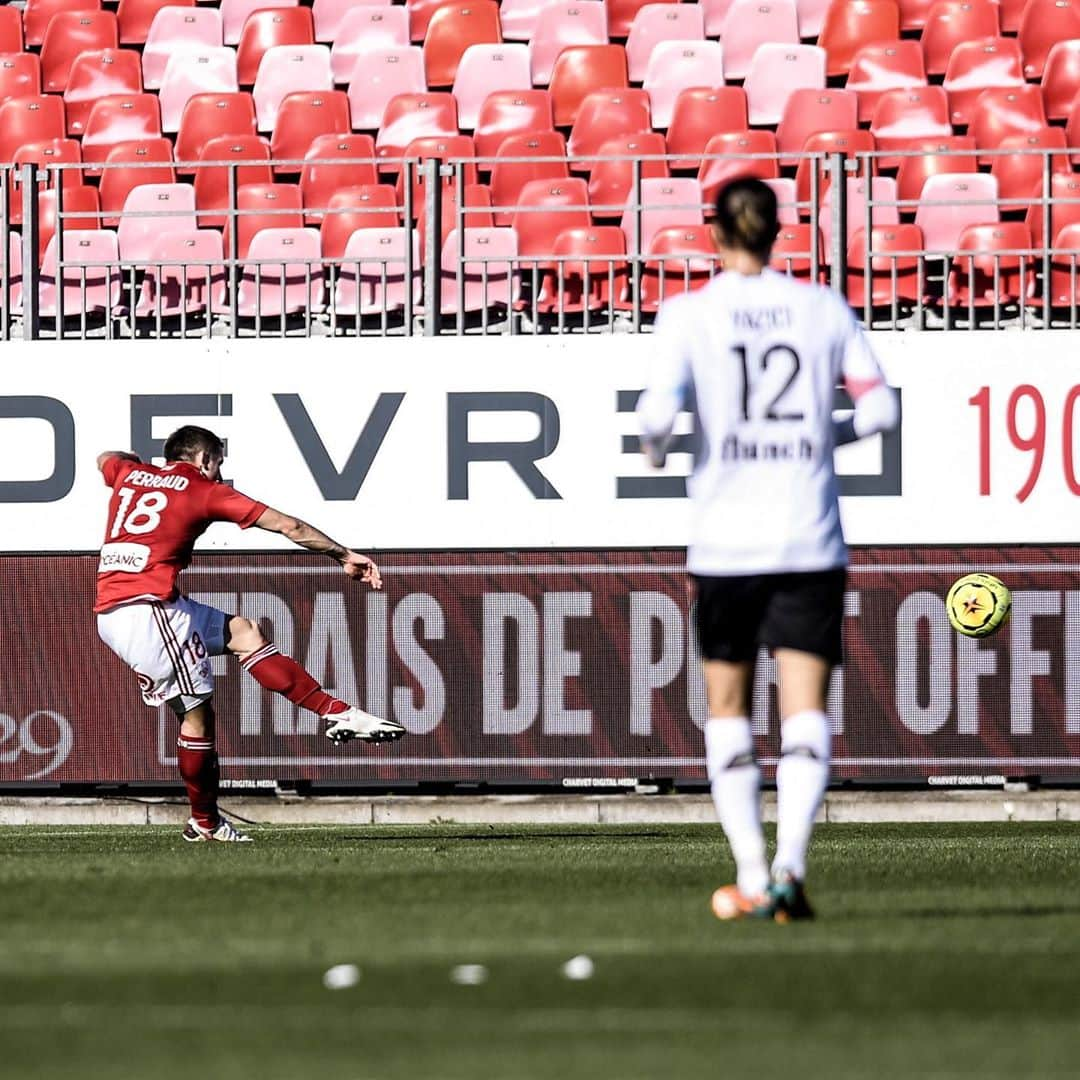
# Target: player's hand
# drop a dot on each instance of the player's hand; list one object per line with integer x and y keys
{"x": 361, "y": 568}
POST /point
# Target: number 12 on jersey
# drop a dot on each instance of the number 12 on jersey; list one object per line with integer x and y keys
{"x": 781, "y": 358}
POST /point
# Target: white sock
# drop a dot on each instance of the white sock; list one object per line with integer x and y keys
{"x": 736, "y": 779}
{"x": 801, "y": 778}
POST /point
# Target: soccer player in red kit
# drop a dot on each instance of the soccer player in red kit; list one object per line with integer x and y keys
{"x": 156, "y": 513}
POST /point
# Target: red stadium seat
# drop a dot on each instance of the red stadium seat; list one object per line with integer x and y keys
{"x": 793, "y": 252}
{"x": 621, "y": 14}
{"x": 701, "y": 113}
{"x": 664, "y": 202}
{"x": 1061, "y": 79}
{"x": 1020, "y": 175}
{"x": 486, "y": 69}
{"x": 851, "y": 24}
{"x": 473, "y": 208}
{"x": 689, "y": 259}
{"x": 776, "y": 72}
{"x": 129, "y": 164}
{"x": 373, "y": 280}
{"x": 264, "y": 206}
{"x": 581, "y": 69}
{"x": 364, "y": 206}
{"x": 30, "y": 119}
{"x": 20, "y": 75}
{"x": 301, "y": 118}
{"x": 136, "y": 16}
{"x": 289, "y": 69}
{"x": 96, "y": 74}
{"x": 1064, "y": 288}
{"x": 886, "y": 65}
{"x": 412, "y": 116}
{"x": 894, "y": 277}
{"x": 234, "y": 13}
{"x": 560, "y": 25}
{"x": 11, "y": 30}
{"x": 733, "y": 146}
{"x": 606, "y": 113}
{"x": 386, "y": 72}
{"x": 43, "y": 154}
{"x": 611, "y": 182}
{"x": 988, "y": 277}
{"x": 1064, "y": 208}
{"x": 809, "y": 111}
{"x": 1010, "y": 110}
{"x": 848, "y": 142}
{"x": 420, "y": 12}
{"x": 250, "y": 153}
{"x": 192, "y": 71}
{"x": 1043, "y": 24}
{"x": 331, "y": 15}
{"x": 152, "y": 211}
{"x": 86, "y": 289}
{"x": 367, "y": 27}
{"x": 206, "y": 116}
{"x": 950, "y": 22}
{"x": 751, "y": 23}
{"x": 655, "y": 24}
{"x": 174, "y": 29}
{"x": 509, "y": 177}
{"x": 70, "y": 33}
{"x": 952, "y": 154}
{"x": 194, "y": 283}
{"x": 976, "y": 66}
{"x": 453, "y": 27}
{"x": 349, "y": 163}
{"x": 905, "y": 118}
{"x": 951, "y": 202}
{"x": 544, "y": 209}
{"x": 511, "y": 112}
{"x": 267, "y": 28}
{"x": 38, "y": 14}
{"x": 273, "y": 284}
{"x": 119, "y": 118}
{"x": 675, "y": 66}
{"x": 594, "y": 271}
{"x": 488, "y": 269}
{"x": 81, "y": 207}
{"x": 446, "y": 148}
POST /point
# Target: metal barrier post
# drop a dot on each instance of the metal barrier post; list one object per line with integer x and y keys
{"x": 31, "y": 272}
{"x": 433, "y": 247}
{"x": 233, "y": 225}
{"x": 635, "y": 265}
{"x": 838, "y": 254}
{"x": 1048, "y": 241}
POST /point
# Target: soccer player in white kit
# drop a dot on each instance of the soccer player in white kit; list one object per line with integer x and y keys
{"x": 763, "y": 355}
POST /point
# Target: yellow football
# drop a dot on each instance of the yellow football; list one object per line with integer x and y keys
{"x": 978, "y": 604}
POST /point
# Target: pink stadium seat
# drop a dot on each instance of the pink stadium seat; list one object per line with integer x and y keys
{"x": 699, "y": 114}
{"x": 1010, "y": 110}
{"x": 1043, "y": 24}
{"x": 1064, "y": 289}
{"x": 473, "y": 208}
{"x": 1020, "y": 175}
{"x": 656, "y": 23}
{"x": 560, "y": 24}
{"x": 267, "y": 28}
{"x": 70, "y": 33}
{"x": 611, "y": 182}
{"x": 445, "y": 147}
{"x": 848, "y": 142}
{"x": 511, "y": 112}
{"x": 192, "y": 285}
{"x": 264, "y": 206}
{"x": 750, "y": 23}
{"x": 581, "y": 69}
{"x": 949, "y": 22}
{"x": 849, "y": 24}
{"x": 38, "y": 14}
{"x": 234, "y": 13}
{"x": 787, "y": 206}
{"x": 282, "y": 274}
{"x": 903, "y": 118}
{"x": 119, "y": 118}
{"x": 365, "y": 206}
{"x": 95, "y": 74}
{"x": 809, "y": 111}
{"x": 664, "y": 202}
{"x": 594, "y": 270}
{"x": 489, "y": 273}
{"x": 950, "y": 203}
{"x": 886, "y": 65}
{"x": 136, "y": 16}
{"x": 509, "y": 177}
{"x": 674, "y": 66}
{"x": 951, "y": 154}
{"x": 363, "y": 29}
{"x": 81, "y": 208}
{"x": 793, "y": 252}
{"x": 303, "y": 117}
{"x": 715, "y": 11}
{"x": 453, "y": 28}
{"x": 811, "y": 15}
{"x": 205, "y": 117}
{"x": 894, "y": 277}
{"x": 30, "y": 119}
{"x": 621, "y": 15}
{"x": 203, "y": 70}
{"x": 606, "y": 113}
{"x": 884, "y": 210}
{"x": 174, "y": 29}
{"x": 11, "y": 30}
{"x": 331, "y": 16}
{"x": 250, "y": 153}
{"x": 688, "y": 259}
{"x": 129, "y": 164}
{"x": 518, "y": 18}
{"x": 385, "y": 73}
{"x": 288, "y": 69}
{"x": 150, "y": 212}
{"x": 89, "y": 289}
{"x": 1064, "y": 208}
{"x": 412, "y": 116}
{"x": 43, "y": 154}
{"x": 485, "y": 69}
{"x": 775, "y": 73}
{"x": 20, "y": 75}
{"x": 976, "y": 66}
{"x": 988, "y": 277}
{"x": 373, "y": 279}
{"x": 349, "y": 162}
{"x": 544, "y": 209}
{"x": 14, "y": 293}
{"x": 1061, "y": 79}
{"x": 731, "y": 154}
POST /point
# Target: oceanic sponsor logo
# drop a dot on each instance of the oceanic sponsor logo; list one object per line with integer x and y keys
{"x": 40, "y": 734}
{"x": 141, "y": 478}
{"x": 123, "y": 558}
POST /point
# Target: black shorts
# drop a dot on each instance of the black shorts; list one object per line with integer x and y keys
{"x": 736, "y": 615}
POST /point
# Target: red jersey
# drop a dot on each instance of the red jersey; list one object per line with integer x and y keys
{"x": 155, "y": 516}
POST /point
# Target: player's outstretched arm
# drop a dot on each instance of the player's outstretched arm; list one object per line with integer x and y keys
{"x": 307, "y": 536}
{"x": 123, "y": 454}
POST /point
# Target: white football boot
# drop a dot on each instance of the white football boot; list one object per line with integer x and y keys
{"x": 354, "y": 723}
{"x": 225, "y": 833}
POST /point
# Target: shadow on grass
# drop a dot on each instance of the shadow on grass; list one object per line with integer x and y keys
{"x": 525, "y": 834}
{"x": 1025, "y": 911}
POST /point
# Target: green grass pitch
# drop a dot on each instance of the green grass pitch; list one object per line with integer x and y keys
{"x": 940, "y": 950}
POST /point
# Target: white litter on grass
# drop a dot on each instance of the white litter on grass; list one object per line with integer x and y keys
{"x": 578, "y": 968}
{"x": 341, "y": 977}
{"x": 469, "y": 974}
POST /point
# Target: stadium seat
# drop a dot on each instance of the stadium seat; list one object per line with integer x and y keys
{"x": 604, "y": 114}
{"x": 347, "y": 161}
{"x": 675, "y": 66}
{"x": 988, "y": 277}
{"x": 420, "y": 12}
{"x": 412, "y": 116}
{"x": 472, "y": 207}
{"x": 373, "y": 278}
{"x": 386, "y": 72}
{"x": 193, "y": 284}
{"x": 1064, "y": 287}
{"x": 951, "y": 154}
{"x": 776, "y": 71}
{"x": 134, "y": 17}
{"x": 288, "y": 69}
{"x": 175, "y": 29}
{"x": 664, "y": 202}
{"x": 234, "y": 13}
{"x": 510, "y": 112}
{"x": 808, "y": 112}
{"x": 267, "y": 28}
{"x": 80, "y": 210}
{"x": 544, "y": 209}
{"x": 85, "y": 289}
{"x": 950, "y": 22}
{"x": 194, "y": 71}
{"x": 621, "y": 15}
{"x": 264, "y": 206}
{"x": 119, "y": 118}
{"x": 38, "y": 13}
{"x": 447, "y": 148}
{"x": 885, "y": 65}
{"x": 1061, "y": 79}
{"x": 733, "y": 148}
{"x": 43, "y": 154}
{"x": 1064, "y": 210}
{"x": 98, "y": 73}
{"x": 657, "y": 23}
{"x": 904, "y": 118}
{"x": 699, "y": 114}
{"x": 794, "y": 250}
{"x": 894, "y": 277}
{"x": 848, "y": 142}
{"x": 750, "y": 23}
{"x": 518, "y": 18}
{"x": 681, "y": 258}
{"x": 271, "y": 283}
{"x": 485, "y": 69}
{"x": 331, "y": 15}
{"x": 489, "y": 273}
{"x": 509, "y": 177}
{"x": 363, "y": 206}
{"x": 452, "y": 29}
{"x": 594, "y": 271}
{"x": 1043, "y": 24}
{"x": 787, "y": 206}
{"x": 205, "y": 117}
{"x": 1020, "y": 175}
{"x": 976, "y": 66}
{"x": 610, "y": 182}
{"x": 581, "y": 69}
{"x": 1001, "y": 111}
{"x": 364, "y": 28}
{"x": 301, "y": 118}
{"x": 20, "y": 75}
{"x": 11, "y": 30}
{"x": 28, "y": 119}
{"x": 883, "y": 208}
{"x": 11, "y": 292}
{"x": 560, "y": 24}
{"x": 849, "y": 24}
{"x": 129, "y": 164}
{"x": 251, "y": 154}
{"x": 950, "y": 202}
{"x": 811, "y": 15}
{"x": 152, "y": 211}
{"x": 70, "y": 33}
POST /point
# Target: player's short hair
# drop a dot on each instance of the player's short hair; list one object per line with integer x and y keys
{"x": 746, "y": 216}
{"x": 187, "y": 442}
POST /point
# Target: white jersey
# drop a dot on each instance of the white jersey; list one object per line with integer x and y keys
{"x": 763, "y": 355}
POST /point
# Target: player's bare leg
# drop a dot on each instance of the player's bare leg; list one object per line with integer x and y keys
{"x": 261, "y": 659}
{"x": 735, "y": 780}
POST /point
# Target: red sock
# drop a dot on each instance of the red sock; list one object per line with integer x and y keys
{"x": 285, "y": 676}
{"x": 198, "y": 763}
